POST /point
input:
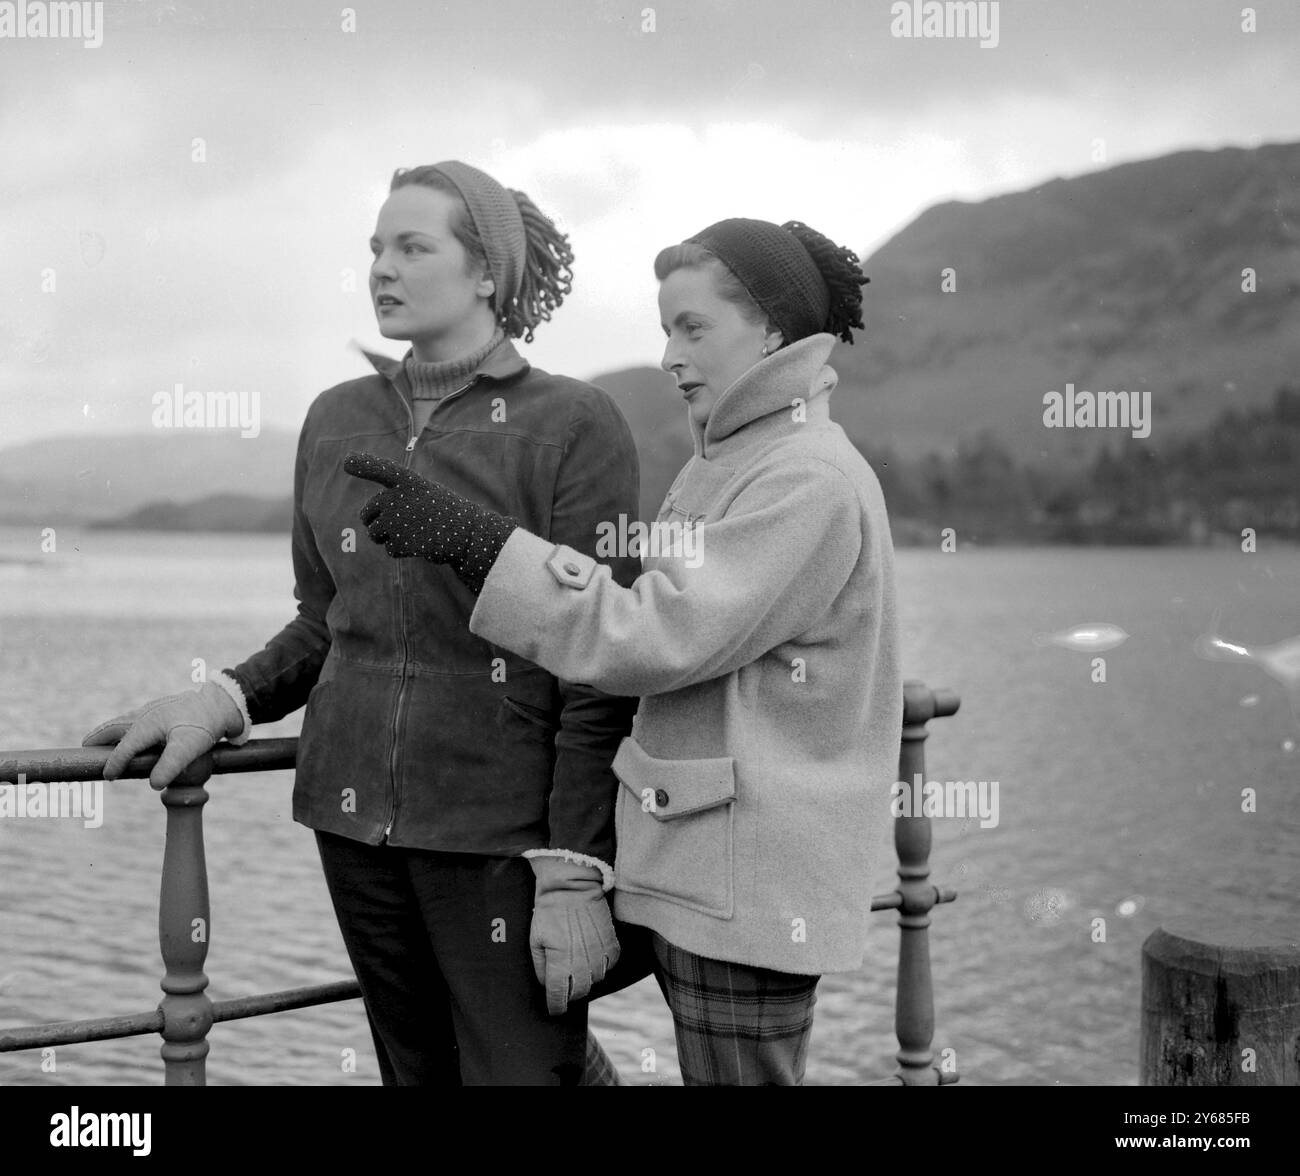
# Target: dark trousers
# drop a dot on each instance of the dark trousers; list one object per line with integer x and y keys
{"x": 439, "y": 944}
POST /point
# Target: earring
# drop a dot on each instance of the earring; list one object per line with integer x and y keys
{"x": 765, "y": 351}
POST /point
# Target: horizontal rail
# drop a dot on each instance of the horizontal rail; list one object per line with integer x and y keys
{"x": 186, "y": 1013}
{"x": 921, "y": 704}
{"x": 281, "y": 1002}
{"x": 237, "y": 1009}
{"x": 893, "y": 900}
{"x": 74, "y": 1032}
{"x": 62, "y": 765}
{"x": 69, "y": 764}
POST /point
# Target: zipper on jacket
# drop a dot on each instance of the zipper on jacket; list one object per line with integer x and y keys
{"x": 397, "y": 703}
{"x": 401, "y": 616}
{"x": 410, "y": 412}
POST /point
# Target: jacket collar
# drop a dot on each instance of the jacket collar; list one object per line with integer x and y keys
{"x": 771, "y": 386}
{"x": 503, "y": 362}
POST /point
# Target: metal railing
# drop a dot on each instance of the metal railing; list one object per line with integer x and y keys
{"x": 914, "y": 898}
{"x": 186, "y": 1013}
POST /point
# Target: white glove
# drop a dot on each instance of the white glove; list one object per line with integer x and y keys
{"x": 572, "y": 936}
{"x": 189, "y": 724}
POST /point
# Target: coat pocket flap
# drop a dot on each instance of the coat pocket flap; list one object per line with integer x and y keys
{"x": 674, "y": 788}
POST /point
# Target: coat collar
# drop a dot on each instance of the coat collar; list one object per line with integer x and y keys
{"x": 504, "y": 362}
{"x": 771, "y": 386}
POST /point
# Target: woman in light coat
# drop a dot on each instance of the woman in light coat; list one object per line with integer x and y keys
{"x": 761, "y": 637}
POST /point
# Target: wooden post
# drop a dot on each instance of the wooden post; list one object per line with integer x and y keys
{"x": 916, "y": 897}
{"x": 1220, "y": 1005}
{"x": 184, "y": 923}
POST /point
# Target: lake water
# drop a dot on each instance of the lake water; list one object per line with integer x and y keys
{"x": 1118, "y": 799}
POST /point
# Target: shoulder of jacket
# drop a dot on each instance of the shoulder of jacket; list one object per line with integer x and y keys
{"x": 566, "y": 387}
{"x": 831, "y": 447}
{"x": 816, "y": 475}
{"x": 337, "y": 407}
{"x": 346, "y": 390}
{"x": 589, "y": 406}
{"x": 802, "y": 470}
{"x": 821, "y": 452}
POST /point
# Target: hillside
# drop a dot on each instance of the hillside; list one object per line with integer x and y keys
{"x": 656, "y": 413}
{"x": 1124, "y": 278}
{"x": 1128, "y": 278}
{"x": 215, "y": 512}
{"x": 85, "y": 478}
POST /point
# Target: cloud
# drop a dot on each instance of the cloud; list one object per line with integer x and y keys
{"x": 231, "y": 273}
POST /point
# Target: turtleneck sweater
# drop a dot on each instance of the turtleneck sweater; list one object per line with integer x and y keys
{"x": 430, "y": 382}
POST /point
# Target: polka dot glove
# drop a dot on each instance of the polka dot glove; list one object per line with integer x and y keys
{"x": 414, "y": 516}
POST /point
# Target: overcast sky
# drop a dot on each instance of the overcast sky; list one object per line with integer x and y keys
{"x": 634, "y": 125}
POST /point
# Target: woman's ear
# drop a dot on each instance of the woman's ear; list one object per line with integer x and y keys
{"x": 773, "y": 341}
{"x": 486, "y": 286}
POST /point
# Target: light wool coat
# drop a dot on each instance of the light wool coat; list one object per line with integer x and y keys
{"x": 755, "y": 783}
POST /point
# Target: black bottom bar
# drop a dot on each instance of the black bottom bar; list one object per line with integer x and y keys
{"x": 967, "y": 1123}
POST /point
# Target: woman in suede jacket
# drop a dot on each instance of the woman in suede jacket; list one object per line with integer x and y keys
{"x": 461, "y": 795}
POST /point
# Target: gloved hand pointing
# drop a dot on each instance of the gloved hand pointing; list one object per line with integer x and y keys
{"x": 188, "y": 723}
{"x": 415, "y": 516}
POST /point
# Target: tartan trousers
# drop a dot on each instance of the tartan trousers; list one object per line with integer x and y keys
{"x": 735, "y": 1025}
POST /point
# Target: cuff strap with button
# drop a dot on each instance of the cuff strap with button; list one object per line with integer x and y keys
{"x": 571, "y": 568}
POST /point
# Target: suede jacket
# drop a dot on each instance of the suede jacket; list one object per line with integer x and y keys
{"x": 417, "y": 732}
{"x": 754, "y": 811}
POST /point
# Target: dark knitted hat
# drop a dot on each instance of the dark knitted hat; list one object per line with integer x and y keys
{"x": 499, "y": 222}
{"x": 801, "y": 280}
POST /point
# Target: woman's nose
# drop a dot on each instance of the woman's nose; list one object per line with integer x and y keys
{"x": 382, "y": 266}
{"x": 671, "y": 359}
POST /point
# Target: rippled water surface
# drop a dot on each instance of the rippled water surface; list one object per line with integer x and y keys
{"x": 1118, "y": 799}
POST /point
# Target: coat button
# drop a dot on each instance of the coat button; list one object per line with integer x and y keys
{"x": 571, "y": 568}
{"x": 661, "y": 798}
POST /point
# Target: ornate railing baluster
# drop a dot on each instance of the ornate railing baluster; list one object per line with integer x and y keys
{"x": 184, "y": 924}
{"x": 185, "y": 1014}
{"x": 915, "y": 898}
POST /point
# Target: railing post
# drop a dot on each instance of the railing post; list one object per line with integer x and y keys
{"x": 185, "y": 1015}
{"x": 915, "y": 897}
{"x": 183, "y": 928}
